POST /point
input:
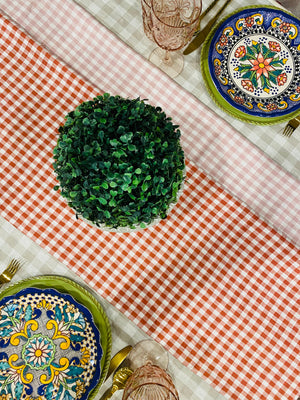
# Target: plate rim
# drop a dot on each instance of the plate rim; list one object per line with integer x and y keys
{"x": 81, "y": 293}
{"x": 213, "y": 91}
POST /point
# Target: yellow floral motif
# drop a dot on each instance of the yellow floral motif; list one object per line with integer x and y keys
{"x": 224, "y": 39}
{"x": 232, "y": 94}
{"x": 20, "y": 369}
{"x": 285, "y": 27}
{"x": 79, "y": 388}
{"x": 271, "y": 106}
{"x": 64, "y": 362}
{"x": 249, "y": 21}
{"x": 5, "y": 396}
{"x": 295, "y": 97}
{"x": 282, "y": 105}
{"x": 85, "y": 356}
{"x": 15, "y": 337}
{"x": 217, "y": 66}
{"x": 58, "y": 335}
{"x": 71, "y": 309}
{"x": 44, "y": 304}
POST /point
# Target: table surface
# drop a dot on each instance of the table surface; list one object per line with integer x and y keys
{"x": 217, "y": 282}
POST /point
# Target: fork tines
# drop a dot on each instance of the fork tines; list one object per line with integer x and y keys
{"x": 13, "y": 266}
{"x": 291, "y": 126}
{"x": 11, "y": 270}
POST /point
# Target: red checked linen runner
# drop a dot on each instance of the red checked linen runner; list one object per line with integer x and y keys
{"x": 213, "y": 283}
{"x": 208, "y": 140}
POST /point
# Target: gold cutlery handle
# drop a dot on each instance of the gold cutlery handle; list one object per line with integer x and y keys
{"x": 107, "y": 395}
{"x": 119, "y": 382}
{"x": 117, "y": 360}
{"x": 202, "y": 35}
{"x": 206, "y": 11}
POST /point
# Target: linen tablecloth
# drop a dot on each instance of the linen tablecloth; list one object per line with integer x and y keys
{"x": 37, "y": 261}
{"x": 214, "y": 283}
{"x": 124, "y": 19}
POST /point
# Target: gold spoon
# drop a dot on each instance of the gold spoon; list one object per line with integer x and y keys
{"x": 117, "y": 360}
{"x": 119, "y": 382}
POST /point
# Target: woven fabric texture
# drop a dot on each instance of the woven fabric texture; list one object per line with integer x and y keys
{"x": 213, "y": 282}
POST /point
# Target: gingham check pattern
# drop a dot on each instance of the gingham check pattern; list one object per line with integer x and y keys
{"x": 208, "y": 140}
{"x": 124, "y": 19}
{"x": 37, "y": 261}
{"x": 213, "y": 282}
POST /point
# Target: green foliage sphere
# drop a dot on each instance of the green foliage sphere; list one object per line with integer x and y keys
{"x": 119, "y": 162}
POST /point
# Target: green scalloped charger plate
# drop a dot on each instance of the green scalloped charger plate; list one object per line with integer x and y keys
{"x": 250, "y": 64}
{"x": 82, "y": 296}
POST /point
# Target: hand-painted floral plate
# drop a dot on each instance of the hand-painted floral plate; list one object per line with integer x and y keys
{"x": 251, "y": 64}
{"x": 55, "y": 341}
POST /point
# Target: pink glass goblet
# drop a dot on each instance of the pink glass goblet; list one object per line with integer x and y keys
{"x": 146, "y": 9}
{"x": 172, "y": 23}
{"x": 150, "y": 382}
{"x": 148, "y": 351}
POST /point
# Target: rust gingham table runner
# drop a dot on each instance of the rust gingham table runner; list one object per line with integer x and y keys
{"x": 213, "y": 282}
{"x": 74, "y": 36}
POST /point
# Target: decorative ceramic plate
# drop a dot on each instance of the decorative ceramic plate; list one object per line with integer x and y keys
{"x": 251, "y": 65}
{"x": 54, "y": 341}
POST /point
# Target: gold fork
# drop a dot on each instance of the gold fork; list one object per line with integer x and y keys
{"x": 10, "y": 271}
{"x": 291, "y": 126}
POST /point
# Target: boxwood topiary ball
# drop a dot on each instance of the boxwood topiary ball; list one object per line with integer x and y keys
{"x": 119, "y": 162}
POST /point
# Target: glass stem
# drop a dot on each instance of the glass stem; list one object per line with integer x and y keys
{"x": 167, "y": 58}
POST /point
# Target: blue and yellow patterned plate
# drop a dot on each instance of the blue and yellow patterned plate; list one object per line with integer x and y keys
{"x": 55, "y": 341}
{"x": 251, "y": 64}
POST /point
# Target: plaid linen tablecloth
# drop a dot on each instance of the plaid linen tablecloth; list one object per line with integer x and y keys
{"x": 214, "y": 283}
